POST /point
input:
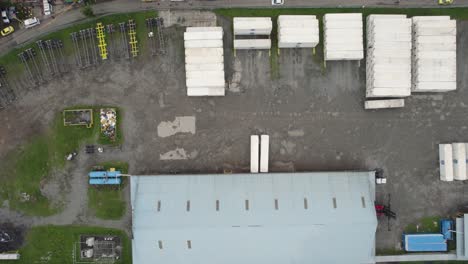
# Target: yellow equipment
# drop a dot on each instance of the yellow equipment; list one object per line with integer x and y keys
{"x": 445, "y": 2}
{"x": 133, "y": 41}
{"x": 101, "y": 40}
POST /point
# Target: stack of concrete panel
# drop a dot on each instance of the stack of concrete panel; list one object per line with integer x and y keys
{"x": 343, "y": 37}
{"x": 254, "y": 153}
{"x": 204, "y": 61}
{"x": 252, "y": 32}
{"x": 384, "y": 104}
{"x": 459, "y": 161}
{"x": 446, "y": 162}
{"x": 388, "y": 62}
{"x": 298, "y": 31}
{"x": 434, "y": 54}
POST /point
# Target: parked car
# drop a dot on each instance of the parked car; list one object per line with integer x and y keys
{"x": 31, "y": 22}
{"x": 277, "y": 2}
{"x": 5, "y": 18}
{"x": 7, "y": 31}
{"x": 445, "y": 2}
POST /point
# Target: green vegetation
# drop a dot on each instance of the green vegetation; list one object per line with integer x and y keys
{"x": 108, "y": 202}
{"x": 425, "y": 225}
{"x": 30, "y": 165}
{"x": 54, "y": 244}
{"x": 389, "y": 252}
{"x": 87, "y": 10}
{"x": 13, "y": 64}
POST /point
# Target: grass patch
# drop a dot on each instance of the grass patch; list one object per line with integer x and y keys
{"x": 14, "y": 66}
{"x": 30, "y": 165}
{"x": 54, "y": 244}
{"x": 20, "y": 180}
{"x": 389, "y": 252}
{"x": 424, "y": 225}
{"x": 108, "y": 202}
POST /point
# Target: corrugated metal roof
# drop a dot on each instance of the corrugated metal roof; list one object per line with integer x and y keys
{"x": 324, "y": 217}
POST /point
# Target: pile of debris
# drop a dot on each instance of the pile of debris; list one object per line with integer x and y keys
{"x": 108, "y": 117}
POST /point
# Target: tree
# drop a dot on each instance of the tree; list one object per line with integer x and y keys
{"x": 87, "y": 10}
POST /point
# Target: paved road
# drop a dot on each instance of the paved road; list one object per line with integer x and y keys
{"x": 119, "y": 6}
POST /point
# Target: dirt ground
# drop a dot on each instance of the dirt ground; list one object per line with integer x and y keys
{"x": 315, "y": 119}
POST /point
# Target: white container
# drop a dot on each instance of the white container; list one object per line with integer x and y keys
{"x": 204, "y": 35}
{"x": 252, "y": 44}
{"x": 252, "y": 25}
{"x": 203, "y": 29}
{"x": 445, "y": 162}
{"x": 466, "y": 155}
{"x": 264, "y": 152}
{"x": 459, "y": 161}
{"x": 205, "y": 67}
{"x": 206, "y": 91}
{"x": 254, "y": 153}
{"x": 203, "y": 43}
{"x": 382, "y": 104}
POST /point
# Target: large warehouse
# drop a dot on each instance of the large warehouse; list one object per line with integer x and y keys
{"x": 275, "y": 218}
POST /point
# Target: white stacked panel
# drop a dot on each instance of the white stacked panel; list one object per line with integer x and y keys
{"x": 445, "y": 162}
{"x": 259, "y": 28}
{"x": 204, "y": 61}
{"x": 459, "y": 161}
{"x": 466, "y": 158}
{"x": 382, "y": 104}
{"x": 264, "y": 152}
{"x": 252, "y": 44}
{"x": 254, "y": 153}
{"x": 388, "y": 62}
{"x": 298, "y": 31}
{"x": 343, "y": 37}
{"x": 434, "y": 54}
{"x": 252, "y": 25}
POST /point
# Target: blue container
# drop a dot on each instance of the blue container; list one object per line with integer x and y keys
{"x": 424, "y": 242}
{"x": 104, "y": 174}
{"x": 105, "y": 181}
{"x": 446, "y": 226}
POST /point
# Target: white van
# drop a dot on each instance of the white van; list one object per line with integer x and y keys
{"x": 31, "y": 22}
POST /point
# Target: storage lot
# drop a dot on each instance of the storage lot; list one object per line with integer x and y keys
{"x": 315, "y": 118}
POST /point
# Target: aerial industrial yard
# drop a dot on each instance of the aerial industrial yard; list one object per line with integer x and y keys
{"x": 312, "y": 111}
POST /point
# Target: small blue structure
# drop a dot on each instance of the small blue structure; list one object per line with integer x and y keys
{"x": 424, "y": 242}
{"x": 105, "y": 177}
{"x": 446, "y": 227}
{"x": 105, "y": 181}
{"x": 104, "y": 174}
